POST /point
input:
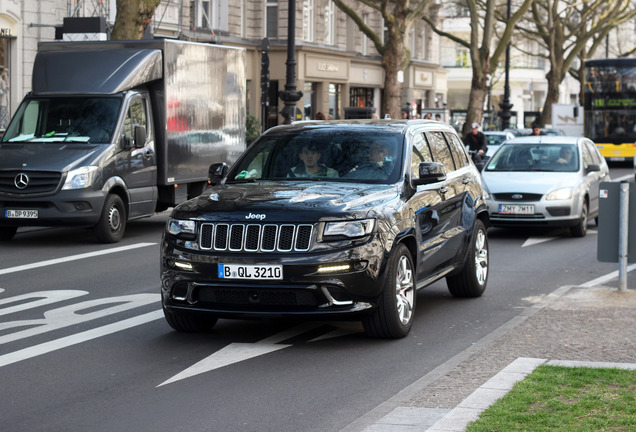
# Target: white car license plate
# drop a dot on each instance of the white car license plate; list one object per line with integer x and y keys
{"x": 516, "y": 209}
{"x": 262, "y": 272}
{"x": 21, "y": 214}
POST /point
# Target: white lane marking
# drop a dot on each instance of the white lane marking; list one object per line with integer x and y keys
{"x": 238, "y": 352}
{"x": 37, "y": 299}
{"x": 66, "y": 316}
{"x": 601, "y": 280}
{"x": 531, "y": 241}
{"x": 67, "y": 341}
{"x": 73, "y": 258}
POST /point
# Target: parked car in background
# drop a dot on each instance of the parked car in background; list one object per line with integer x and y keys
{"x": 545, "y": 181}
{"x": 528, "y": 132}
{"x": 338, "y": 220}
{"x": 494, "y": 139}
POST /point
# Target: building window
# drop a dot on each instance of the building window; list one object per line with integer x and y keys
{"x": 462, "y": 57}
{"x": 361, "y": 97}
{"x": 365, "y": 39}
{"x": 329, "y": 24}
{"x": 202, "y": 14}
{"x": 271, "y": 19}
{"x": 211, "y": 15}
{"x": 308, "y": 20}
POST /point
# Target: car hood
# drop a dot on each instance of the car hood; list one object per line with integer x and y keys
{"x": 47, "y": 156}
{"x": 287, "y": 201}
{"x": 528, "y": 182}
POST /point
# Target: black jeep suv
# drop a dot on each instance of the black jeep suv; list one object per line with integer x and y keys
{"x": 341, "y": 220}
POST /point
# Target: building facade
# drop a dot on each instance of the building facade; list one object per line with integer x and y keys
{"x": 338, "y": 67}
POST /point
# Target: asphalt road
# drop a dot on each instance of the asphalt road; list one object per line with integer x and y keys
{"x": 84, "y": 347}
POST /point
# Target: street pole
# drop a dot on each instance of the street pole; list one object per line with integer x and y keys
{"x": 264, "y": 82}
{"x": 505, "y": 105}
{"x": 290, "y": 96}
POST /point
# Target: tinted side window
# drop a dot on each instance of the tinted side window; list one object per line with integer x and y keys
{"x": 136, "y": 115}
{"x": 458, "y": 150}
{"x": 420, "y": 153}
{"x": 441, "y": 152}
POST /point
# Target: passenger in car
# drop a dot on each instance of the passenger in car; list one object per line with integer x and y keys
{"x": 378, "y": 164}
{"x": 310, "y": 165}
{"x": 566, "y": 156}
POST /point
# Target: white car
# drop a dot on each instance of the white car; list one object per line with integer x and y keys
{"x": 531, "y": 181}
{"x": 496, "y": 138}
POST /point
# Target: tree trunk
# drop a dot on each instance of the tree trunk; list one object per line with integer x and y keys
{"x": 392, "y": 60}
{"x": 133, "y": 16}
{"x": 478, "y": 91}
{"x": 552, "y": 96}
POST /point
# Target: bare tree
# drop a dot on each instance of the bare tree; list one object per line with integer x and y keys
{"x": 571, "y": 29}
{"x": 399, "y": 17}
{"x": 485, "y": 48}
{"x": 133, "y": 16}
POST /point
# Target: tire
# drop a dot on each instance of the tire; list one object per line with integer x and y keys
{"x": 188, "y": 323}
{"x": 112, "y": 223}
{"x": 580, "y": 229}
{"x": 7, "y": 233}
{"x": 472, "y": 279}
{"x": 393, "y": 316}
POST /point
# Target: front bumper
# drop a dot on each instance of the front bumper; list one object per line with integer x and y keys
{"x": 305, "y": 290}
{"x": 65, "y": 208}
{"x": 545, "y": 213}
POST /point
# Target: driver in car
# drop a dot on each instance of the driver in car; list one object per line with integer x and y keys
{"x": 310, "y": 155}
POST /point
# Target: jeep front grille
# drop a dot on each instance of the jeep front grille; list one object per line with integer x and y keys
{"x": 255, "y": 237}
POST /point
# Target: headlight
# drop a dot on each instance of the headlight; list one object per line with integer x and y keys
{"x": 349, "y": 229}
{"x": 81, "y": 178}
{"x": 177, "y": 226}
{"x": 560, "y": 194}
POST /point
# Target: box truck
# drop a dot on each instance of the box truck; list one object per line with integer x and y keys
{"x": 119, "y": 130}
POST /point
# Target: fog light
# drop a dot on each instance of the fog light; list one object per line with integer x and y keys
{"x": 334, "y": 268}
{"x": 183, "y": 265}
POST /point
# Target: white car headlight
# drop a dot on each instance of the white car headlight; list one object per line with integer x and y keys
{"x": 81, "y": 178}
{"x": 349, "y": 229}
{"x": 178, "y": 226}
{"x": 560, "y": 194}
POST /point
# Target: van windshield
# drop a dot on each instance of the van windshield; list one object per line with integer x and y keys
{"x": 64, "y": 119}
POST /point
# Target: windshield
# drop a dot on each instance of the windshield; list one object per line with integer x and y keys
{"x": 328, "y": 154}
{"x": 64, "y": 119}
{"x": 533, "y": 157}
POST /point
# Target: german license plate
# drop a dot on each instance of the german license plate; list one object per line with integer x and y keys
{"x": 262, "y": 272}
{"x": 21, "y": 214}
{"x": 516, "y": 209}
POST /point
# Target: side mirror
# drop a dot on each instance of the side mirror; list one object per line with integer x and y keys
{"x": 592, "y": 167}
{"x": 140, "y": 136}
{"x": 217, "y": 172}
{"x": 430, "y": 172}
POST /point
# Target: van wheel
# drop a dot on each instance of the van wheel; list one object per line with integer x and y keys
{"x": 580, "y": 229}
{"x": 189, "y": 324}
{"x": 472, "y": 279}
{"x": 394, "y": 314}
{"x": 112, "y": 223}
{"x": 7, "y": 233}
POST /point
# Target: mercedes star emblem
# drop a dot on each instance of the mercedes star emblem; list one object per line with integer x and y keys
{"x": 21, "y": 181}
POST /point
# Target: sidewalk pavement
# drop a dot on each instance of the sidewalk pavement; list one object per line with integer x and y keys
{"x": 575, "y": 325}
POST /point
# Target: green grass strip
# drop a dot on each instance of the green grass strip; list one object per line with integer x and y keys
{"x": 556, "y": 398}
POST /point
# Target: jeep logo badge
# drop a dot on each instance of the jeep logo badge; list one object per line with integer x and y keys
{"x": 21, "y": 181}
{"x": 255, "y": 216}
